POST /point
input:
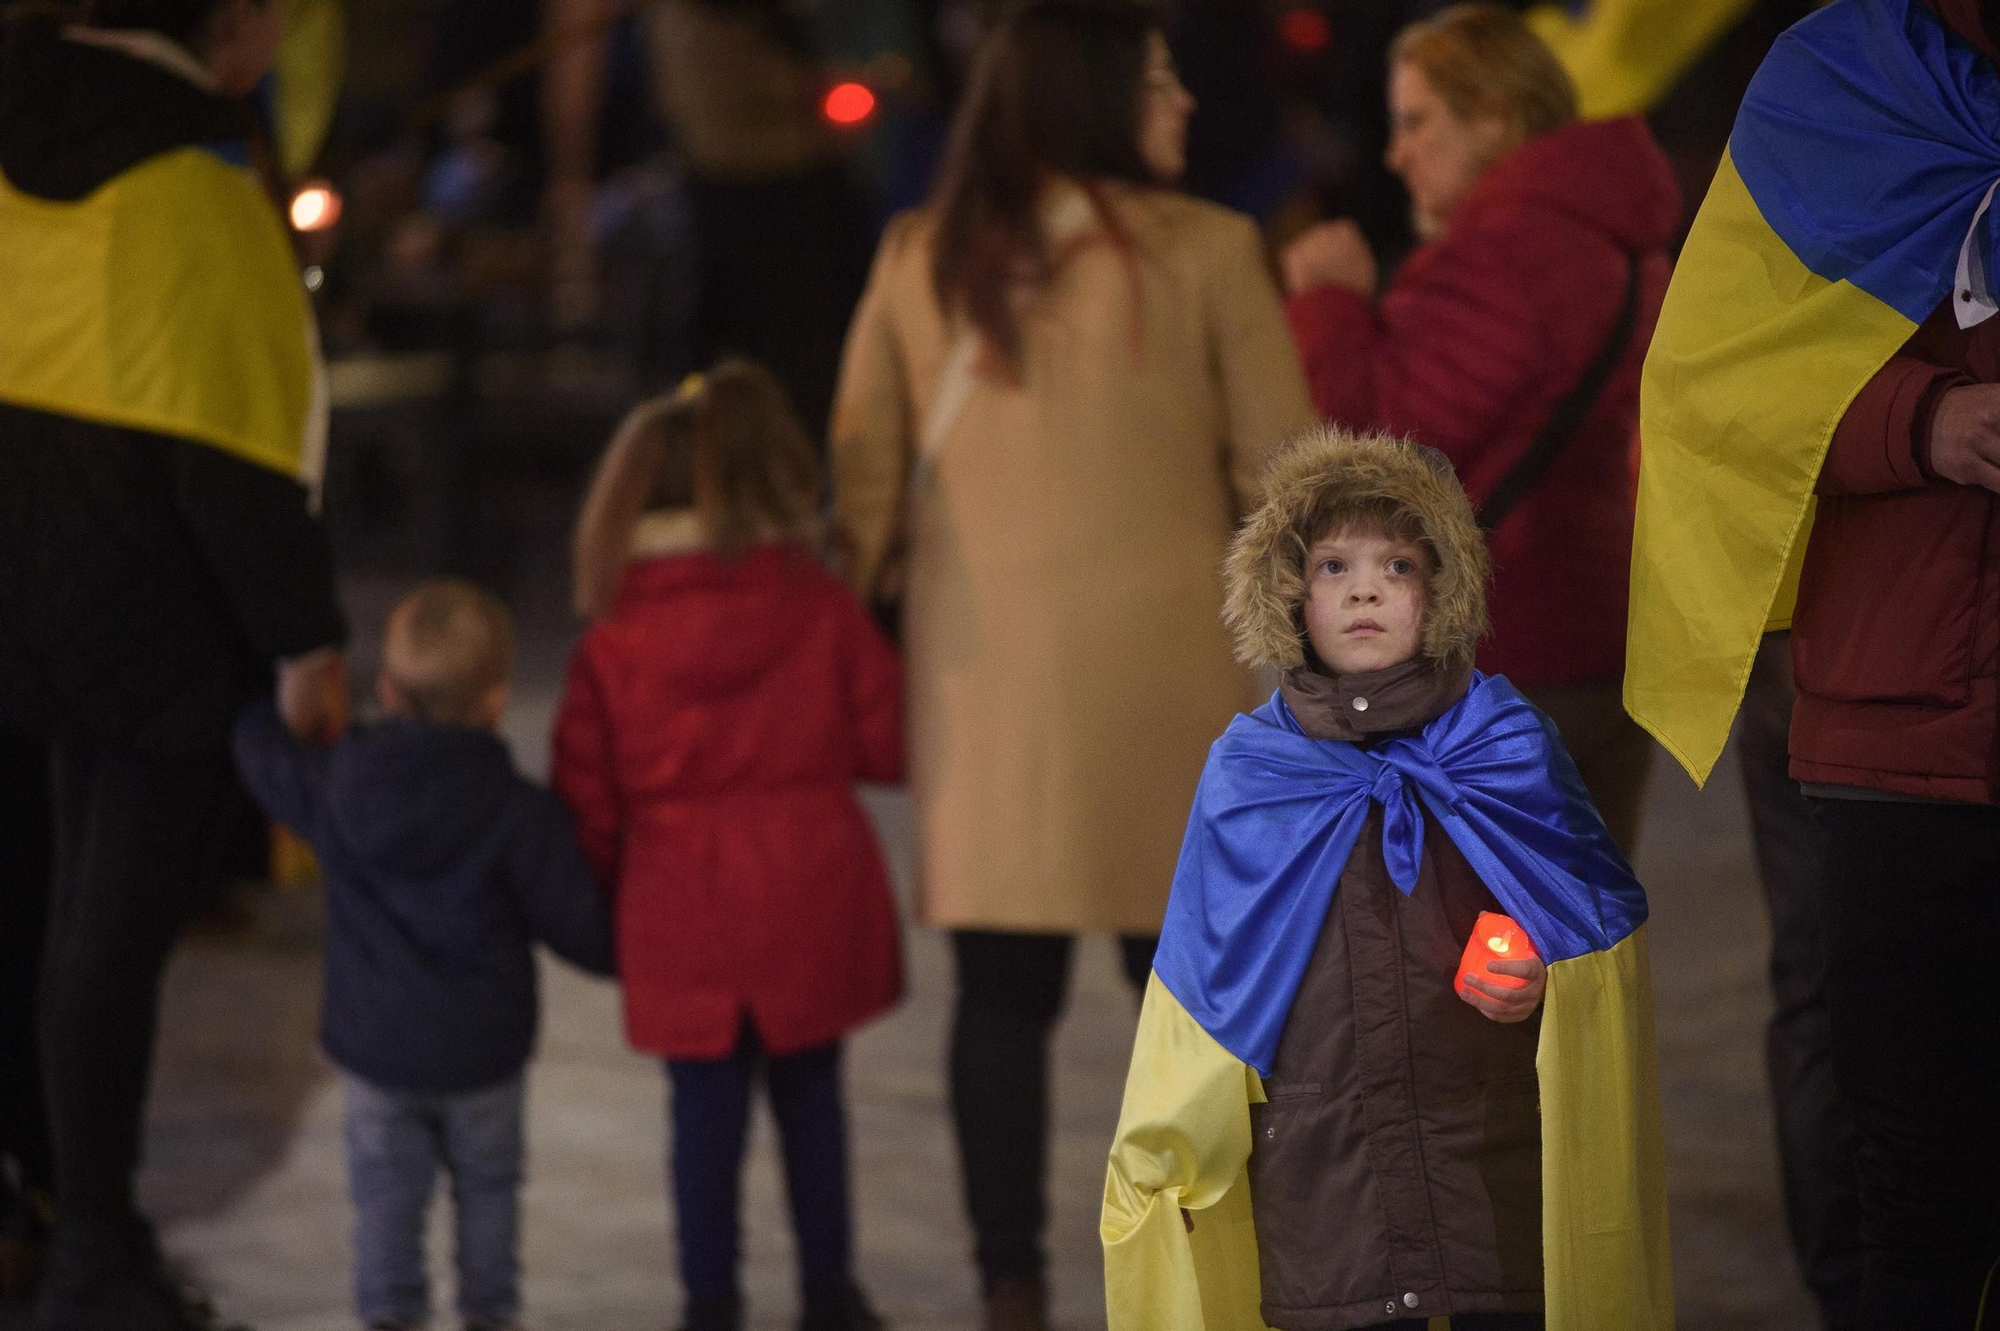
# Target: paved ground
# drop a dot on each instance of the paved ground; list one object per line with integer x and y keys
{"x": 245, "y": 1167}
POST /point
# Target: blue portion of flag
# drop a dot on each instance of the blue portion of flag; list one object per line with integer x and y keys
{"x": 1867, "y": 139}
{"x": 1278, "y": 814}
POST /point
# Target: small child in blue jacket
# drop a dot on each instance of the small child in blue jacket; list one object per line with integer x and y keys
{"x": 443, "y": 867}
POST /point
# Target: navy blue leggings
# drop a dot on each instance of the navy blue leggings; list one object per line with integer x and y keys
{"x": 711, "y": 1120}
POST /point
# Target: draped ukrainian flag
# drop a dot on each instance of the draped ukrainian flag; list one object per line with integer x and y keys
{"x": 1865, "y": 151}
{"x": 1276, "y": 817}
{"x": 165, "y": 300}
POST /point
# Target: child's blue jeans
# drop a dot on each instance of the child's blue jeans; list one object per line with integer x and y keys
{"x": 396, "y": 1141}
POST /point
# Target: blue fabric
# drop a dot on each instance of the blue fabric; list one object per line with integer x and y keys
{"x": 1277, "y": 816}
{"x": 1868, "y": 137}
{"x": 443, "y": 867}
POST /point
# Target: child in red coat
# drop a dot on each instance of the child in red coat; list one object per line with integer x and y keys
{"x": 721, "y": 707}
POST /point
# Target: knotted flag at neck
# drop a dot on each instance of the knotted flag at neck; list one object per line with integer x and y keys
{"x": 1277, "y": 817}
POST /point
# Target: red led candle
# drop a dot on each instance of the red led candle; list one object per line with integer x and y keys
{"x": 1494, "y": 938}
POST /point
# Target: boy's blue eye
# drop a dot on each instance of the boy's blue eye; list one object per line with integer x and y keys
{"x": 1402, "y": 567}
{"x": 1332, "y": 566}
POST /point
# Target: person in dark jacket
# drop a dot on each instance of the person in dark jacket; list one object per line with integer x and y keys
{"x": 1546, "y": 249}
{"x": 158, "y": 553}
{"x": 443, "y": 867}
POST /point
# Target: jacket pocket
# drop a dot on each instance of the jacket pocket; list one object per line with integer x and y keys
{"x": 1319, "y": 1217}
{"x": 1888, "y": 606}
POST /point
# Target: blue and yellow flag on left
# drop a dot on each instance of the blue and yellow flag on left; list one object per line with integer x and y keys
{"x": 1858, "y": 179}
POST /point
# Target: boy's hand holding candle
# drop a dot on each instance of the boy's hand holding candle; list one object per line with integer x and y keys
{"x": 1501, "y": 974}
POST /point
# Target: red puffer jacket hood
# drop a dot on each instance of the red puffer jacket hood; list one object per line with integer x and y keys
{"x": 1607, "y": 174}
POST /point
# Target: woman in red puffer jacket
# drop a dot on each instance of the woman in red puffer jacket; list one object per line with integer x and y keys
{"x": 1545, "y": 249}
{"x": 718, "y": 714}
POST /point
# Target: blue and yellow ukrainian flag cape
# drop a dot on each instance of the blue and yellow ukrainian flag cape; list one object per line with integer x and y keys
{"x": 166, "y": 300}
{"x": 1863, "y": 152}
{"x": 1276, "y": 817}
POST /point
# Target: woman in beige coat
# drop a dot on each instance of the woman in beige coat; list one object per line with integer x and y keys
{"x": 1055, "y": 400}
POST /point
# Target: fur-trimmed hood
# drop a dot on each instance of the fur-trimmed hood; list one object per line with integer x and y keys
{"x": 1311, "y": 482}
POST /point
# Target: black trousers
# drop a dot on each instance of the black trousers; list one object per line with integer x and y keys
{"x": 1816, "y": 1138}
{"x": 135, "y": 837}
{"x": 1914, "y": 915}
{"x": 27, "y": 834}
{"x": 711, "y": 1118}
{"x": 1010, "y": 993}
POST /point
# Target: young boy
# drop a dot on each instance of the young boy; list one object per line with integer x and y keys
{"x": 443, "y": 866}
{"x": 1329, "y": 1122}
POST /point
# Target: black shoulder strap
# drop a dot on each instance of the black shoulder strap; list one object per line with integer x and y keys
{"x": 1569, "y": 414}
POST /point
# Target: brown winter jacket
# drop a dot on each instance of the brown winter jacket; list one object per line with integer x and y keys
{"x": 1896, "y": 636}
{"x": 1392, "y": 1102}
{"x": 1396, "y": 1169}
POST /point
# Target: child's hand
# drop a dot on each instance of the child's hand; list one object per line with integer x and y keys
{"x": 1503, "y": 1004}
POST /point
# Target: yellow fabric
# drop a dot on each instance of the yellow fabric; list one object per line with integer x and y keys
{"x": 1625, "y": 55}
{"x": 1754, "y": 362}
{"x": 167, "y": 300}
{"x": 312, "y": 57}
{"x": 1183, "y": 1142}
{"x": 1605, "y": 1255}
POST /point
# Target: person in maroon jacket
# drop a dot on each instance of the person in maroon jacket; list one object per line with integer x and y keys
{"x": 718, "y": 713}
{"x": 1511, "y": 341}
{"x": 1896, "y": 737}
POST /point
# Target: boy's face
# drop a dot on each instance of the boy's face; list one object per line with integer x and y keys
{"x": 1364, "y": 605}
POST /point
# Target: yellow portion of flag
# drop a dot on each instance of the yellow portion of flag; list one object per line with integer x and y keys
{"x": 1753, "y": 364}
{"x": 1606, "y": 1260}
{"x": 167, "y": 300}
{"x": 1183, "y": 1144}
{"x": 312, "y": 60}
{"x": 1625, "y": 55}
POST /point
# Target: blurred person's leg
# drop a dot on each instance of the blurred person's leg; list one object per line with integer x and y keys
{"x": 1135, "y": 958}
{"x": 484, "y": 1155}
{"x": 711, "y": 1122}
{"x": 1912, "y": 914}
{"x": 135, "y": 834}
{"x": 812, "y": 1132}
{"x": 27, "y": 1160}
{"x": 1612, "y": 754}
{"x": 393, "y": 1146}
{"x": 1816, "y": 1142}
{"x": 1010, "y": 993}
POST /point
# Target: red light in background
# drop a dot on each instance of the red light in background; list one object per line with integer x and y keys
{"x": 1305, "y": 30}
{"x": 848, "y": 103}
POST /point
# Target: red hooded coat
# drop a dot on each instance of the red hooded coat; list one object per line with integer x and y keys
{"x": 708, "y": 743}
{"x": 1481, "y": 335}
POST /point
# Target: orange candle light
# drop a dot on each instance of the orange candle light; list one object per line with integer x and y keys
{"x": 1495, "y": 938}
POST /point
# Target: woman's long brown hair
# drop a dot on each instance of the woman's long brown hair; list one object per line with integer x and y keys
{"x": 729, "y": 446}
{"x": 1055, "y": 90}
